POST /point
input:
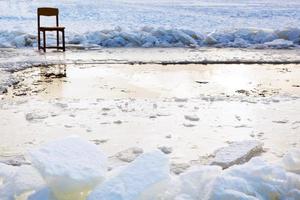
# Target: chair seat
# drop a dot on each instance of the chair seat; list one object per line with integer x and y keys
{"x": 54, "y": 28}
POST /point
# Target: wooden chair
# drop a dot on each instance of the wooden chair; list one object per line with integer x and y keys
{"x": 57, "y": 28}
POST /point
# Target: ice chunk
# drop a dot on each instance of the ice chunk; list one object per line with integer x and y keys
{"x": 184, "y": 38}
{"x": 239, "y": 42}
{"x": 291, "y": 161}
{"x": 210, "y": 40}
{"x": 237, "y": 153}
{"x": 130, "y": 154}
{"x": 292, "y": 34}
{"x": 77, "y": 39}
{"x": 165, "y": 149}
{"x": 254, "y": 180}
{"x": 280, "y": 44}
{"x": 178, "y": 168}
{"x": 71, "y": 167}
{"x": 36, "y": 116}
{"x": 16, "y": 160}
{"x": 192, "y": 117}
{"x": 19, "y": 180}
{"x": 7, "y": 171}
{"x": 144, "y": 178}
{"x": 197, "y": 181}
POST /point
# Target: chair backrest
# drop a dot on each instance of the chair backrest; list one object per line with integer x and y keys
{"x": 48, "y": 12}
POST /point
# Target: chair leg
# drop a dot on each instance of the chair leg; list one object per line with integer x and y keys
{"x": 39, "y": 40}
{"x": 44, "y": 35}
{"x": 57, "y": 40}
{"x": 63, "y": 40}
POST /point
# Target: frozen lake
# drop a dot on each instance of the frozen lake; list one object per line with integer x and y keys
{"x": 102, "y": 94}
{"x": 201, "y": 15}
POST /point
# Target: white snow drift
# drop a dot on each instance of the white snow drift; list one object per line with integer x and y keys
{"x": 73, "y": 168}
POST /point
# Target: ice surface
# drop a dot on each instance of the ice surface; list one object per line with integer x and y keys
{"x": 144, "y": 178}
{"x": 71, "y": 166}
{"x": 237, "y": 153}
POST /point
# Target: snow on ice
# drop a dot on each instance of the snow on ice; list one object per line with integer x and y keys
{"x": 72, "y": 165}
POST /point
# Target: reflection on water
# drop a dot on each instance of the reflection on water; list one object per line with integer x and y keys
{"x": 55, "y": 71}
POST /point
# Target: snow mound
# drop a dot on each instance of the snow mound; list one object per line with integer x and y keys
{"x": 71, "y": 167}
{"x": 237, "y": 153}
{"x": 148, "y": 37}
{"x": 144, "y": 178}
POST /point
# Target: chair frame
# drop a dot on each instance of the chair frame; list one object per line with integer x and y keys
{"x": 50, "y": 12}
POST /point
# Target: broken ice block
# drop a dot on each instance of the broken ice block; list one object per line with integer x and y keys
{"x": 237, "y": 153}
{"x": 71, "y": 167}
{"x": 291, "y": 161}
{"x": 197, "y": 180}
{"x": 254, "y": 180}
{"x": 144, "y": 178}
{"x": 18, "y": 180}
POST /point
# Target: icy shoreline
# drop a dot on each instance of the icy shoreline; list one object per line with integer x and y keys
{"x": 148, "y": 37}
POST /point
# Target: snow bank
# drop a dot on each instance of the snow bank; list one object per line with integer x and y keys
{"x": 71, "y": 167}
{"x": 145, "y": 178}
{"x": 148, "y": 37}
